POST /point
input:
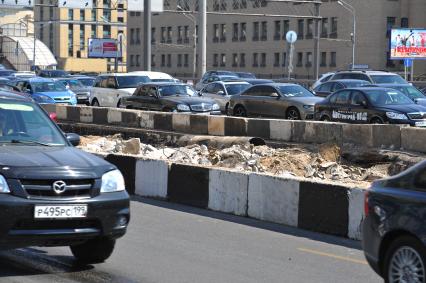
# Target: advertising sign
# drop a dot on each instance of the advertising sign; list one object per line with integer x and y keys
{"x": 103, "y": 48}
{"x": 408, "y": 43}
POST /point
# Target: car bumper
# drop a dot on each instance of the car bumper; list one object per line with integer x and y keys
{"x": 19, "y": 228}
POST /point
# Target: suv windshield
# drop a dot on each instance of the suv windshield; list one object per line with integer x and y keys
{"x": 131, "y": 81}
{"x": 87, "y": 82}
{"x": 233, "y": 89}
{"x": 294, "y": 91}
{"x": 410, "y": 91}
{"x": 170, "y": 90}
{"x": 48, "y": 86}
{"x": 25, "y": 123}
{"x": 388, "y": 79}
{"x": 381, "y": 97}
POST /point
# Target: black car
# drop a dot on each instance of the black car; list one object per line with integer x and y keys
{"x": 410, "y": 91}
{"x": 375, "y": 105}
{"x": 169, "y": 97}
{"x": 329, "y": 87}
{"x": 51, "y": 193}
{"x": 394, "y": 234}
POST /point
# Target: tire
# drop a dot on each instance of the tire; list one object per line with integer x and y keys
{"x": 93, "y": 251}
{"x": 325, "y": 118}
{"x": 240, "y": 111}
{"x": 292, "y": 114}
{"x": 376, "y": 121}
{"x": 405, "y": 258}
{"x": 95, "y": 103}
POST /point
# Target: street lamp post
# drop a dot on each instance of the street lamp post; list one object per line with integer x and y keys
{"x": 192, "y": 19}
{"x": 351, "y": 9}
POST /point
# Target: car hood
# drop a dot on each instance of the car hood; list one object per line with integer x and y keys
{"x": 190, "y": 100}
{"x": 21, "y": 161}
{"x": 306, "y": 100}
{"x": 54, "y": 94}
{"x": 403, "y": 108}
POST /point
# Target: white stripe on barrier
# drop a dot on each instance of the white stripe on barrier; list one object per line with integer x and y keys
{"x": 114, "y": 116}
{"x": 356, "y": 213}
{"x": 151, "y": 178}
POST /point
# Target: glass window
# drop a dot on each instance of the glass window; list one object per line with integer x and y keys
{"x": 358, "y": 98}
{"x": 48, "y": 86}
{"x": 324, "y": 87}
{"x": 379, "y": 97}
{"x": 170, "y": 90}
{"x": 131, "y": 81}
{"x": 388, "y": 79}
{"x": 233, "y": 89}
{"x": 294, "y": 91}
{"x": 343, "y": 97}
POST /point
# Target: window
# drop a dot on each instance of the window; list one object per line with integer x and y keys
{"x": 276, "y": 59}
{"x": 255, "y": 60}
{"x": 153, "y": 60}
{"x": 286, "y": 27}
{"x": 324, "y": 27}
{"x": 163, "y": 34}
{"x": 333, "y": 33}
{"x": 70, "y": 14}
{"x": 243, "y": 34}
{"x": 300, "y": 28}
{"x": 153, "y": 35}
{"x": 70, "y": 40}
{"x": 234, "y": 60}
{"x": 333, "y": 62}
{"x": 215, "y": 60}
{"x": 132, "y": 36}
{"x": 106, "y": 31}
{"x": 163, "y": 60}
{"x": 223, "y": 60}
{"x": 310, "y": 28}
{"x": 41, "y": 32}
{"x": 235, "y": 32}
{"x": 138, "y": 60}
{"x": 93, "y": 31}
{"x": 308, "y": 59}
{"x": 390, "y": 23}
{"x": 169, "y": 60}
{"x": 255, "y": 31}
{"x": 179, "y": 31}
{"x": 107, "y": 15}
{"x": 284, "y": 59}
{"x": 223, "y": 33}
{"x": 264, "y": 35}
{"x": 82, "y": 37}
{"x": 358, "y": 98}
{"x": 299, "y": 59}
{"x": 215, "y": 33}
{"x": 326, "y": 87}
{"x": 277, "y": 30}
{"x": 169, "y": 34}
{"x": 185, "y": 60}
{"x": 323, "y": 61}
{"x": 242, "y": 60}
{"x": 404, "y": 22}
{"x": 186, "y": 34}
{"x": 93, "y": 15}
{"x": 179, "y": 60}
{"x": 81, "y": 14}
{"x": 343, "y": 97}
{"x": 263, "y": 60}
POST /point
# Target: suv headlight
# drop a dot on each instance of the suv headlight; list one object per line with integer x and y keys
{"x": 396, "y": 116}
{"x": 183, "y": 107}
{"x": 4, "y": 188}
{"x": 215, "y": 106}
{"x": 112, "y": 181}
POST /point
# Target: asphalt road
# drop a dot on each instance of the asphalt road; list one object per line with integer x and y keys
{"x": 173, "y": 243}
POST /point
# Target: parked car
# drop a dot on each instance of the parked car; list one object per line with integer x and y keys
{"x": 375, "y": 105}
{"x": 6, "y": 72}
{"x": 221, "y": 92}
{"x": 47, "y": 91}
{"x": 55, "y": 194}
{"x": 53, "y": 73}
{"x": 245, "y": 75}
{"x": 86, "y": 81}
{"x": 78, "y": 88}
{"x": 410, "y": 91}
{"x": 394, "y": 226}
{"x": 374, "y": 77}
{"x": 280, "y": 100}
{"x": 169, "y": 97}
{"x": 322, "y": 79}
{"x": 213, "y": 76}
{"x": 109, "y": 89}
{"x": 329, "y": 87}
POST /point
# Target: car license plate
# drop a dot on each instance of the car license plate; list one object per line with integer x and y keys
{"x": 421, "y": 124}
{"x": 60, "y": 211}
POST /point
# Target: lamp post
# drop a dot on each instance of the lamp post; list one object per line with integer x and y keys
{"x": 351, "y": 9}
{"x": 192, "y": 19}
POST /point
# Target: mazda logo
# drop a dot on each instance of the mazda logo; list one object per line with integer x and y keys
{"x": 59, "y": 187}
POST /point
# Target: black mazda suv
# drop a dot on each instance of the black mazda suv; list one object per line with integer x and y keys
{"x": 51, "y": 193}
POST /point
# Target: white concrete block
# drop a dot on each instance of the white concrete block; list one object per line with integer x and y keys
{"x": 273, "y": 199}
{"x": 181, "y": 122}
{"x": 61, "y": 112}
{"x": 281, "y": 130}
{"x": 228, "y": 191}
{"x": 114, "y": 116}
{"x": 356, "y": 213}
{"x": 151, "y": 178}
{"x": 86, "y": 115}
{"x": 147, "y": 120}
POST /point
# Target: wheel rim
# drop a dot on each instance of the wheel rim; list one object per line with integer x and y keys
{"x": 293, "y": 114}
{"x": 406, "y": 266}
{"x": 239, "y": 112}
{"x": 377, "y": 121}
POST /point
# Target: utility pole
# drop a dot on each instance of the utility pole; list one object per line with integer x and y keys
{"x": 202, "y": 28}
{"x": 316, "y": 41}
{"x": 147, "y": 34}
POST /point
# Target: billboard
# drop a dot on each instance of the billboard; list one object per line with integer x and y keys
{"x": 408, "y": 43}
{"x": 137, "y": 5}
{"x": 103, "y": 48}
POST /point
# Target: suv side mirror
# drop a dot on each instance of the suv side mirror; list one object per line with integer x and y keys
{"x": 74, "y": 139}
{"x": 220, "y": 92}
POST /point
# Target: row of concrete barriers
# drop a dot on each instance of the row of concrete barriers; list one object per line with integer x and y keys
{"x": 378, "y": 136}
{"x": 315, "y": 206}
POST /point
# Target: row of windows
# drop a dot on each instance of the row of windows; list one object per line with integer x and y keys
{"x": 218, "y": 5}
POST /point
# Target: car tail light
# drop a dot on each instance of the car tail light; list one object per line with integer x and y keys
{"x": 366, "y": 209}
{"x": 53, "y": 117}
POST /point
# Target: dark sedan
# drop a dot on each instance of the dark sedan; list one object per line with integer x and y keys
{"x": 325, "y": 89}
{"x": 371, "y": 105}
{"x": 280, "y": 100}
{"x": 169, "y": 97}
{"x": 394, "y": 234}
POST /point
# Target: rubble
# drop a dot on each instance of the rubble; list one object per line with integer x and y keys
{"x": 324, "y": 162}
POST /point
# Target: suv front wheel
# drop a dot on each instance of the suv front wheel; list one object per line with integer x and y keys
{"x": 93, "y": 251}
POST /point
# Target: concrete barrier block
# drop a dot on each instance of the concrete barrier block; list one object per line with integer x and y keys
{"x": 273, "y": 199}
{"x": 235, "y": 126}
{"x": 61, "y": 112}
{"x": 413, "y": 139}
{"x": 151, "y": 178}
{"x": 73, "y": 113}
{"x": 114, "y": 116}
{"x": 258, "y": 128}
{"x": 199, "y": 124}
{"x": 281, "y": 130}
{"x": 147, "y": 120}
{"x": 317, "y": 132}
{"x": 356, "y": 213}
{"x": 358, "y": 134}
{"x": 86, "y": 115}
{"x": 130, "y": 118}
{"x": 323, "y": 208}
{"x": 163, "y": 121}
{"x": 181, "y": 122}
{"x": 100, "y": 115}
{"x": 216, "y": 125}
{"x": 387, "y": 136}
{"x": 228, "y": 191}
{"x": 127, "y": 167}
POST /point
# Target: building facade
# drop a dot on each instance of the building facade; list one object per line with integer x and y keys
{"x": 257, "y": 43}
{"x": 67, "y": 31}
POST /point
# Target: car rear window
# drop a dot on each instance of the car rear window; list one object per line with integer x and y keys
{"x": 131, "y": 81}
{"x": 351, "y": 76}
{"x": 233, "y": 89}
{"x": 388, "y": 79}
